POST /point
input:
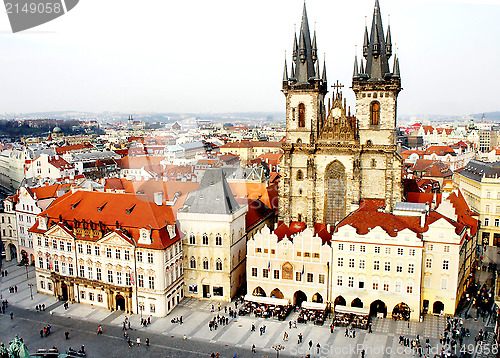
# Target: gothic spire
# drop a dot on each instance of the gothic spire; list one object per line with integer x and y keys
{"x": 314, "y": 49}
{"x": 388, "y": 42}
{"x": 356, "y": 71}
{"x": 285, "y": 72}
{"x": 396, "y": 67}
{"x": 375, "y": 51}
{"x": 304, "y": 63}
{"x": 323, "y": 77}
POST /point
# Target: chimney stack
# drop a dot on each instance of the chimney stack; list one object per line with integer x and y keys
{"x": 158, "y": 198}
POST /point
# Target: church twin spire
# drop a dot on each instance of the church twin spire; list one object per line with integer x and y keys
{"x": 305, "y": 65}
{"x": 377, "y": 50}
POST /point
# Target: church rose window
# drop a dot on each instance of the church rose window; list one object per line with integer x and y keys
{"x": 375, "y": 113}
{"x": 302, "y": 115}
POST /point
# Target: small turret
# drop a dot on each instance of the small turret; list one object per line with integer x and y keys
{"x": 314, "y": 55}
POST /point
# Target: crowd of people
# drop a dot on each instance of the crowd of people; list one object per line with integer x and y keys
{"x": 312, "y": 315}
{"x": 265, "y": 310}
{"x": 350, "y": 319}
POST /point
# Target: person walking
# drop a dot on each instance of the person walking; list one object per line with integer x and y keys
{"x": 147, "y": 342}
{"x": 66, "y": 334}
{"x": 99, "y": 330}
{"x": 253, "y": 348}
{"x": 138, "y": 341}
{"x": 310, "y": 344}
{"x": 318, "y": 348}
{"x": 12, "y": 315}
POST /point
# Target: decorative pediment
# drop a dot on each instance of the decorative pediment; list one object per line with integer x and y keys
{"x": 115, "y": 239}
{"x": 58, "y": 231}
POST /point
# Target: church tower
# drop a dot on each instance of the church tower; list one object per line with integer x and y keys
{"x": 333, "y": 159}
{"x": 304, "y": 90}
{"x": 376, "y": 88}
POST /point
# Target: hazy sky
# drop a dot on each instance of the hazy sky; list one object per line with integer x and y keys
{"x": 227, "y": 55}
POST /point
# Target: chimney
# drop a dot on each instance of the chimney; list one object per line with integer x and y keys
{"x": 158, "y": 198}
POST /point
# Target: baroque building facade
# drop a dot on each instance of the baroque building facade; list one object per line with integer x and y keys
{"x": 333, "y": 159}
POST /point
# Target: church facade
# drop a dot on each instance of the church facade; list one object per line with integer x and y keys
{"x": 332, "y": 158}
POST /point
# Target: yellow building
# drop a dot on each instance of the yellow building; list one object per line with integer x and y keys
{"x": 480, "y": 185}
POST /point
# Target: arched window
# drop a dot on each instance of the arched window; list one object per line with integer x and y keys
{"x": 218, "y": 240}
{"x": 192, "y": 262}
{"x": 205, "y": 239}
{"x": 335, "y": 184}
{"x": 302, "y": 115}
{"x": 374, "y": 163}
{"x": 192, "y": 239}
{"x": 205, "y": 263}
{"x": 375, "y": 113}
{"x": 300, "y": 175}
{"x": 218, "y": 265}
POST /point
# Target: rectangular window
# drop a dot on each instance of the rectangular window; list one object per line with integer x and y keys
{"x": 376, "y": 265}
{"x": 310, "y": 277}
{"x": 428, "y": 263}
{"x": 139, "y": 256}
{"x": 351, "y": 263}
{"x": 321, "y": 278}
{"x": 91, "y": 296}
{"x": 375, "y": 285}
{"x": 99, "y": 297}
{"x": 446, "y": 248}
{"x": 110, "y": 276}
{"x": 40, "y": 262}
{"x": 377, "y": 249}
{"x": 307, "y": 254}
{"x": 387, "y": 266}
{"x": 362, "y": 248}
{"x": 258, "y": 250}
{"x": 446, "y": 264}
{"x": 352, "y": 247}
{"x": 70, "y": 269}
{"x": 152, "y": 307}
{"x": 400, "y": 251}
{"x": 118, "y": 254}
{"x": 486, "y": 222}
{"x": 430, "y": 247}
{"x": 409, "y": 288}
{"x": 150, "y": 257}
{"x": 340, "y": 262}
{"x": 97, "y": 251}
{"x": 444, "y": 283}
{"x": 361, "y": 283}
{"x": 399, "y": 268}
{"x": 411, "y": 268}
{"x": 254, "y": 271}
{"x": 61, "y": 245}
{"x": 68, "y": 247}
{"x": 386, "y": 286}
{"x": 151, "y": 283}
{"x": 46, "y": 242}
{"x": 387, "y": 250}
{"x": 90, "y": 272}
{"x": 89, "y": 250}
{"x": 127, "y": 279}
{"x": 265, "y": 273}
{"x": 82, "y": 295}
{"x": 362, "y": 264}
{"x": 108, "y": 252}
{"x": 497, "y": 222}
{"x": 98, "y": 274}
{"x": 266, "y": 251}
{"x": 316, "y": 255}
{"x": 298, "y": 276}
{"x": 397, "y": 287}
{"x": 299, "y": 253}
{"x": 339, "y": 280}
{"x": 56, "y": 266}
{"x": 80, "y": 248}
{"x": 273, "y": 251}
{"x": 412, "y": 252}
{"x": 42, "y": 284}
{"x": 39, "y": 241}
{"x": 341, "y": 247}
{"x": 118, "y": 278}
{"x": 54, "y": 243}
{"x": 276, "y": 274}
{"x": 140, "y": 280}
{"x": 487, "y": 208}
{"x": 350, "y": 281}
{"x": 127, "y": 255}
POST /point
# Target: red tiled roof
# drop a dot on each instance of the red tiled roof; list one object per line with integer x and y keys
{"x": 440, "y": 150}
{"x": 257, "y": 211}
{"x": 73, "y": 147}
{"x": 267, "y": 194}
{"x": 424, "y": 198}
{"x": 140, "y": 162}
{"x": 60, "y": 163}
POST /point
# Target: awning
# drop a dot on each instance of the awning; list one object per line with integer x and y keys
{"x": 267, "y": 300}
{"x": 353, "y": 310}
{"x": 314, "y": 306}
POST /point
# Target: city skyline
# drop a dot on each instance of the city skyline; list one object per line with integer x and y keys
{"x": 227, "y": 57}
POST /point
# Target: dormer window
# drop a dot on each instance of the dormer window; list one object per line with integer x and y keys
{"x": 145, "y": 236}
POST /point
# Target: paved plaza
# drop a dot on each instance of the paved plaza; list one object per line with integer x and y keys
{"x": 193, "y": 338}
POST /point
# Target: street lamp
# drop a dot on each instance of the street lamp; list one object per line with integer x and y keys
{"x": 278, "y": 348}
{"x": 31, "y": 289}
